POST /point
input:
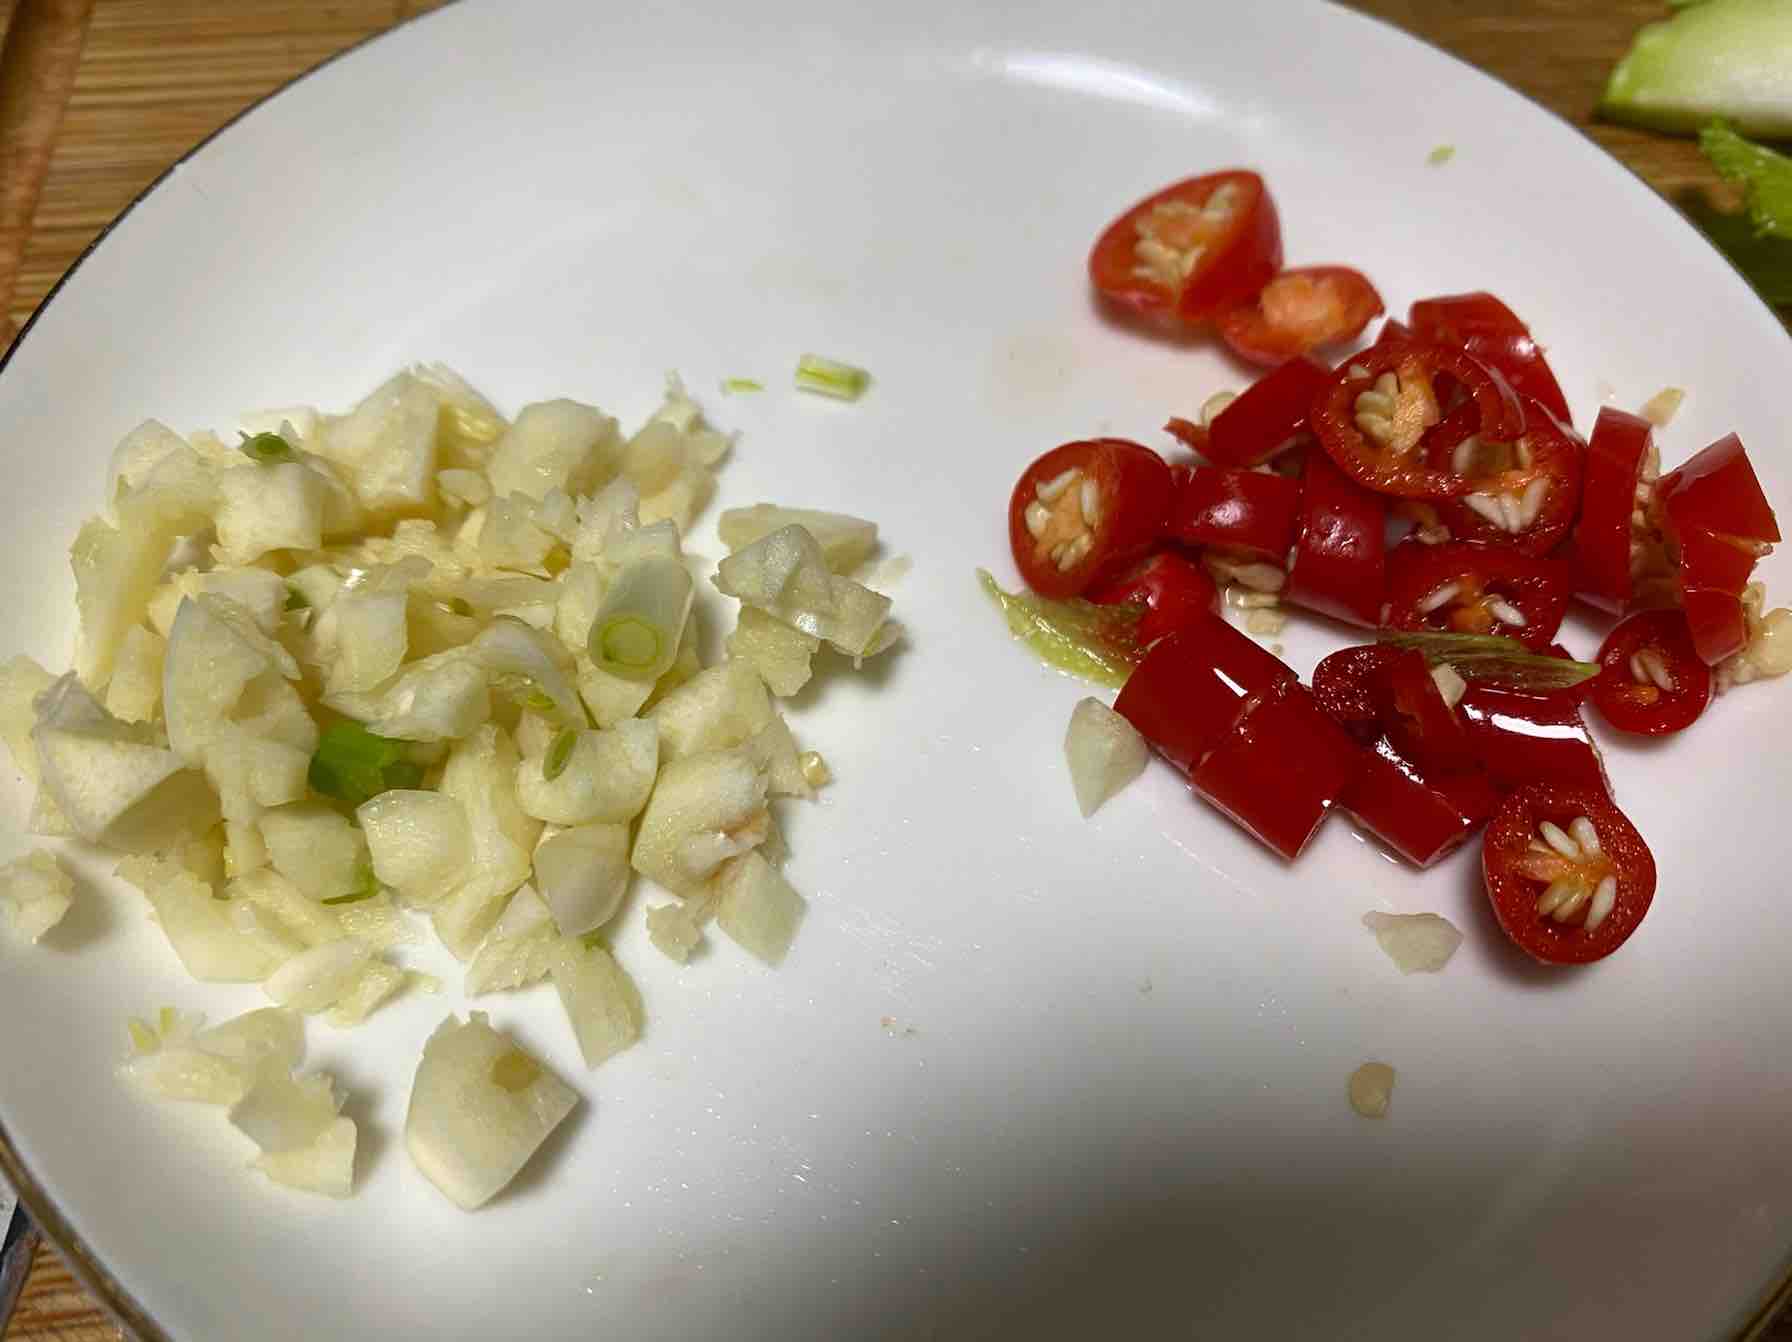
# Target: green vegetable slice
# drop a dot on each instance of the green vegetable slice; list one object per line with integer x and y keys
{"x": 731, "y": 385}
{"x": 1766, "y": 177}
{"x": 267, "y": 449}
{"x": 831, "y": 378}
{"x": 1722, "y": 58}
{"x": 1494, "y": 660}
{"x": 637, "y": 632}
{"x": 553, "y": 764}
{"x": 351, "y": 764}
{"x": 1097, "y": 643}
{"x": 1448, "y": 647}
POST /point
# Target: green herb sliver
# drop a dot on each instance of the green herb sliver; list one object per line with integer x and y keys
{"x": 351, "y": 764}
{"x": 1493, "y": 660}
{"x": 829, "y": 377}
{"x": 267, "y": 449}
{"x": 1096, "y": 643}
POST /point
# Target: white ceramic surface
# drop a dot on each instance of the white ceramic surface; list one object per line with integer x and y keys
{"x": 1023, "y": 1075}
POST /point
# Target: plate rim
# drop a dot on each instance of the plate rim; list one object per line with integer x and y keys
{"x": 77, "y": 1254}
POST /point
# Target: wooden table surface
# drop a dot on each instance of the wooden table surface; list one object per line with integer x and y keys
{"x": 159, "y": 75}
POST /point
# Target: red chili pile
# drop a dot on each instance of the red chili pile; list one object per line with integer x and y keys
{"x": 1450, "y": 433}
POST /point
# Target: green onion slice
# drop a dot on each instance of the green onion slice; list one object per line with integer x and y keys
{"x": 831, "y": 378}
{"x": 1494, "y": 660}
{"x": 1448, "y": 647}
{"x": 732, "y": 385}
{"x": 351, "y": 764}
{"x": 554, "y": 763}
{"x": 641, "y": 623}
{"x": 267, "y": 449}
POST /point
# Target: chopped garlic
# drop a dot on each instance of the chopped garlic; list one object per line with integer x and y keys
{"x": 1417, "y": 942}
{"x": 1661, "y": 408}
{"x": 1105, "y": 753}
{"x": 1371, "y": 1089}
{"x": 37, "y": 892}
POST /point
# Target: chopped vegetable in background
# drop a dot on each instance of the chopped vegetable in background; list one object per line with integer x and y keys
{"x": 1721, "y": 58}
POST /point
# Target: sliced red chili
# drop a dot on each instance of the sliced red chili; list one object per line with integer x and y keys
{"x": 1281, "y": 770}
{"x": 1522, "y": 738}
{"x": 1617, "y": 454}
{"x": 1723, "y": 563}
{"x": 1194, "y": 686}
{"x": 1350, "y": 686}
{"x": 1461, "y": 587}
{"x": 1192, "y": 249}
{"x": 1372, "y": 417}
{"x": 1485, "y": 327}
{"x": 1420, "y": 816}
{"x": 1298, "y": 311}
{"x": 1652, "y": 680}
{"x": 1174, "y": 590}
{"x": 1245, "y": 513}
{"x": 1715, "y": 523}
{"x": 1567, "y": 873}
{"x": 1716, "y": 623}
{"x": 1526, "y": 492}
{"x": 1377, "y": 691}
{"x": 1340, "y": 550}
{"x": 1269, "y": 416}
{"x": 1395, "y": 332}
{"x": 1191, "y": 435}
{"x": 1717, "y": 491}
{"x": 1420, "y": 723}
{"x": 1084, "y": 511}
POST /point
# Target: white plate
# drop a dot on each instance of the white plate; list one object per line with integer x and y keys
{"x": 1023, "y": 1075}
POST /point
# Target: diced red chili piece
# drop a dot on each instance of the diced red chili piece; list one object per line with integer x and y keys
{"x": 1652, "y": 680}
{"x": 1566, "y": 907}
{"x": 1721, "y": 562}
{"x": 1300, "y": 310}
{"x": 1281, "y": 770}
{"x": 1615, "y": 458}
{"x": 1486, "y": 328}
{"x": 1350, "y": 686}
{"x": 1085, "y": 511}
{"x": 1374, "y": 414}
{"x": 1419, "y": 816}
{"x": 1526, "y": 492}
{"x": 1464, "y": 588}
{"x": 1193, "y": 687}
{"x": 1340, "y": 557}
{"x": 1191, "y": 435}
{"x": 1419, "y": 722}
{"x": 1190, "y": 250}
{"x": 1394, "y": 332}
{"x": 1174, "y": 590}
{"x": 1716, "y": 622}
{"x": 1526, "y": 738}
{"x": 1268, "y": 416}
{"x": 1717, "y": 491}
{"x": 1245, "y": 513}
